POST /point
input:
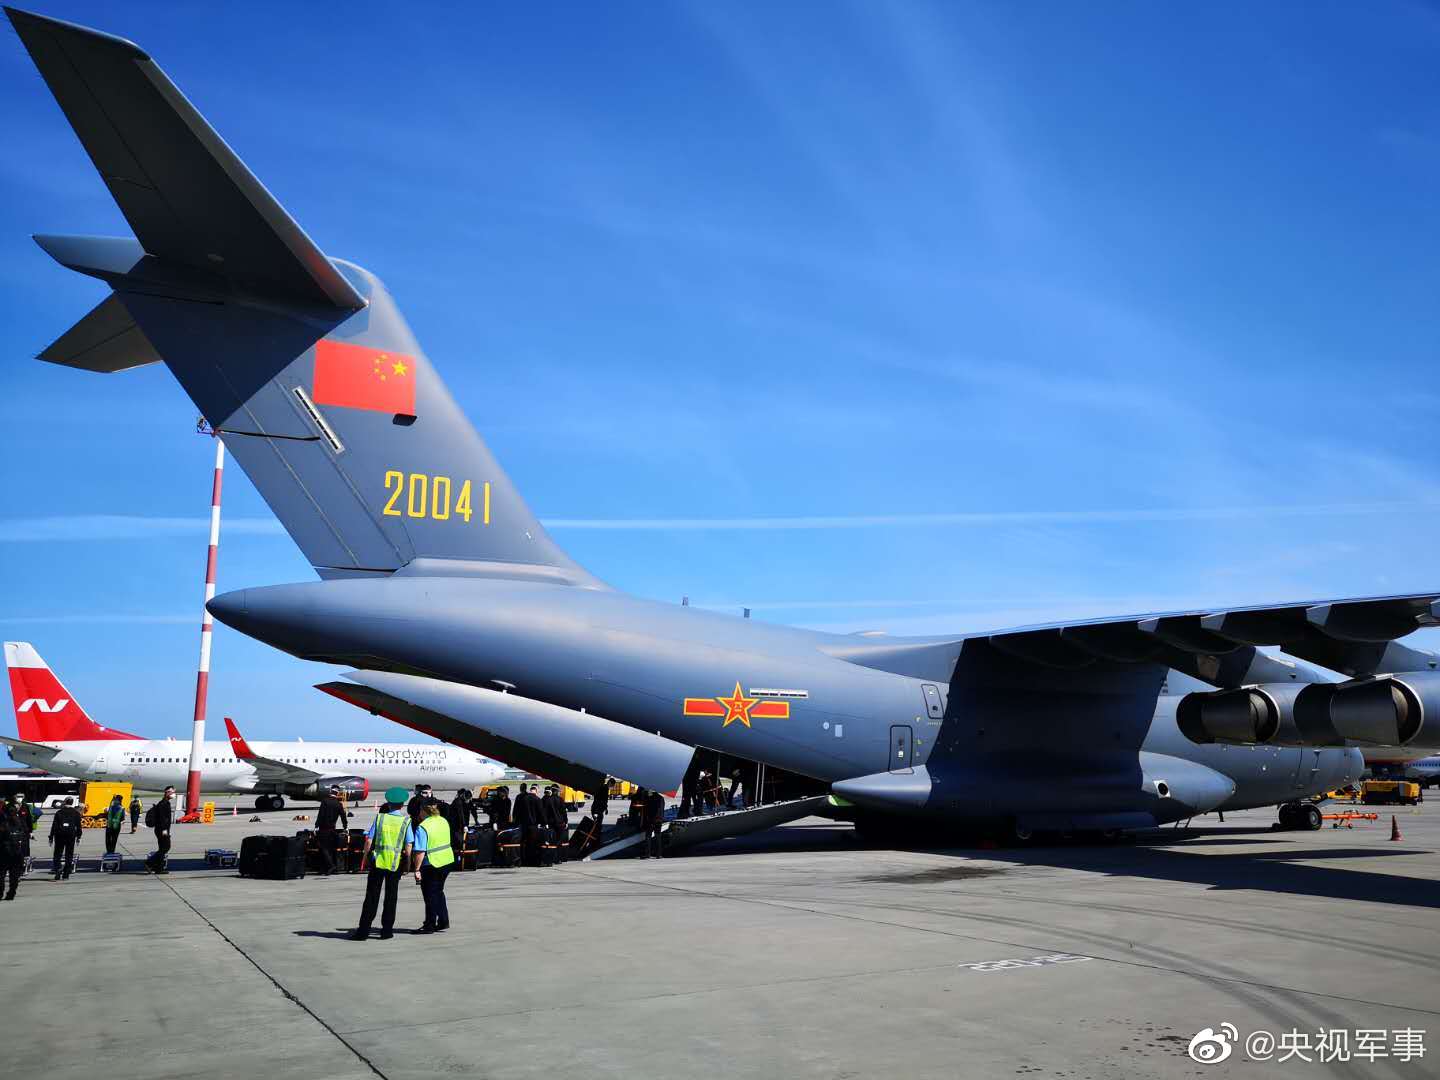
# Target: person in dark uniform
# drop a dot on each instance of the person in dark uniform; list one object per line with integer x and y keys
{"x": 327, "y": 839}
{"x": 14, "y": 834}
{"x": 737, "y": 791}
{"x": 557, "y": 816}
{"x": 134, "y": 813}
{"x": 637, "y": 808}
{"x": 458, "y": 813}
{"x": 114, "y": 822}
{"x": 528, "y": 818}
{"x": 65, "y": 829}
{"x": 654, "y": 818}
{"x": 600, "y": 805}
{"x": 160, "y": 817}
{"x": 416, "y": 809}
{"x": 499, "y": 808}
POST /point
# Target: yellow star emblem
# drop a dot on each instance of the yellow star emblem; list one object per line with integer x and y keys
{"x": 737, "y": 707}
{"x": 400, "y": 368}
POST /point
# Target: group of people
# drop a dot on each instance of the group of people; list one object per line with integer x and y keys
{"x": 702, "y": 793}
{"x": 414, "y": 837}
{"x": 20, "y": 819}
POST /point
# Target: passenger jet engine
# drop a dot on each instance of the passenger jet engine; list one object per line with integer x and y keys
{"x": 352, "y": 788}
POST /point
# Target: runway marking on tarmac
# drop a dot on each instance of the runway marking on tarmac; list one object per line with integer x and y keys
{"x": 1028, "y": 962}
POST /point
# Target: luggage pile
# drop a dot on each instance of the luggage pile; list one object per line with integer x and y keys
{"x": 273, "y": 858}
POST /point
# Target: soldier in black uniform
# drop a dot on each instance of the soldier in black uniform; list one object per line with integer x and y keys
{"x": 416, "y": 809}
{"x": 557, "y": 817}
{"x": 65, "y": 829}
{"x": 159, "y": 818}
{"x": 14, "y": 835}
{"x": 499, "y": 808}
{"x": 652, "y": 817}
{"x": 134, "y": 813}
{"x": 332, "y": 809}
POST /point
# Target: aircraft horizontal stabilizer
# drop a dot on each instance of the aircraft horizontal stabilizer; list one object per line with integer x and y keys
{"x": 572, "y": 747}
{"x": 188, "y": 198}
{"x": 106, "y": 340}
{"x": 22, "y": 744}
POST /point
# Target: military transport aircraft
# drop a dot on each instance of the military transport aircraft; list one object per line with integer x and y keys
{"x": 461, "y": 615}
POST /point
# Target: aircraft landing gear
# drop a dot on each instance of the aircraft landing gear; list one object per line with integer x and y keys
{"x": 1299, "y": 816}
{"x": 269, "y": 802}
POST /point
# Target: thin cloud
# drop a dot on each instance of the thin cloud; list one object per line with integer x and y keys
{"x": 87, "y": 618}
{"x": 38, "y": 530}
{"x": 984, "y": 518}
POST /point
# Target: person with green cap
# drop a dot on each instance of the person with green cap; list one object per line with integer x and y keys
{"x": 391, "y": 837}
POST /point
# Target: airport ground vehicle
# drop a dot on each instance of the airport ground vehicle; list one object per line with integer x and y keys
{"x": 1390, "y": 792}
{"x": 95, "y": 796}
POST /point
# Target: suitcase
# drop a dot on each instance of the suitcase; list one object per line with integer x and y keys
{"x": 220, "y": 857}
{"x": 507, "y": 848}
{"x": 110, "y": 863}
{"x": 583, "y": 838}
{"x": 253, "y": 853}
{"x": 480, "y": 847}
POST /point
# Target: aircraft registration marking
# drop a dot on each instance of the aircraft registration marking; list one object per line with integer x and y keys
{"x": 434, "y": 497}
{"x": 1044, "y": 960}
{"x": 738, "y": 706}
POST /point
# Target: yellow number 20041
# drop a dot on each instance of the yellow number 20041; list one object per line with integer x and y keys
{"x": 420, "y": 495}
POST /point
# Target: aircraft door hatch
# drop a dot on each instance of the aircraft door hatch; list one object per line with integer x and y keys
{"x": 101, "y": 767}
{"x": 934, "y": 706}
{"x": 902, "y": 741}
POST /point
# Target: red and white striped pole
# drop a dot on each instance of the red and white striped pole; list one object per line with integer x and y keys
{"x": 202, "y": 676}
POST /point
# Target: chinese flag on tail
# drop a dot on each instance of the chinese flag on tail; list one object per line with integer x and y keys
{"x": 359, "y": 377}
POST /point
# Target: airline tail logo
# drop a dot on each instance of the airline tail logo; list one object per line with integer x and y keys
{"x": 43, "y": 706}
{"x": 45, "y": 712}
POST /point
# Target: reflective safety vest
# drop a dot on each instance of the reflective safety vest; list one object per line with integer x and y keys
{"x": 389, "y": 840}
{"x": 438, "y": 851}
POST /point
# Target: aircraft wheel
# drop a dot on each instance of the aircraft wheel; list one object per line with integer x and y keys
{"x": 1311, "y": 819}
{"x": 277, "y": 802}
{"x": 262, "y": 802}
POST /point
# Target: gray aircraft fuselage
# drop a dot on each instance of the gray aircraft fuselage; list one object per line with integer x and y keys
{"x": 653, "y": 666}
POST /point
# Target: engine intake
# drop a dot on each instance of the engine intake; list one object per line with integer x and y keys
{"x": 352, "y": 788}
{"x": 1390, "y": 710}
{"x": 1248, "y": 714}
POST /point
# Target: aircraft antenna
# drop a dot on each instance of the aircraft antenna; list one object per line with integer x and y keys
{"x": 202, "y": 674}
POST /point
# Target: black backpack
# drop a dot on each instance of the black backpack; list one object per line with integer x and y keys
{"x": 150, "y": 818}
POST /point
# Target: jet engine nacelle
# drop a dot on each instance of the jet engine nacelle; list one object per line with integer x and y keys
{"x": 1391, "y": 710}
{"x": 1248, "y": 714}
{"x": 352, "y": 788}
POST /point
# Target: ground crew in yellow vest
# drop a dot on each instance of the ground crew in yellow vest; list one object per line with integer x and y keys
{"x": 391, "y": 838}
{"x": 434, "y": 859}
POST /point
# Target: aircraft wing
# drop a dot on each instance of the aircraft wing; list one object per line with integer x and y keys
{"x": 1357, "y": 637}
{"x": 267, "y": 769}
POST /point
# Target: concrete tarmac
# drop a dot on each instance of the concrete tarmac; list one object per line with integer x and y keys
{"x": 794, "y": 953}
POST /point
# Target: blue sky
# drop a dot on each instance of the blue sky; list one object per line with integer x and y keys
{"x": 917, "y": 317}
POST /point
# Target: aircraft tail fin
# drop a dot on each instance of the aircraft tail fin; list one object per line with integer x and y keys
{"x": 303, "y": 364}
{"x": 45, "y": 712}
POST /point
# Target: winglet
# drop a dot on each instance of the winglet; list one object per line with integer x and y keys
{"x": 238, "y": 743}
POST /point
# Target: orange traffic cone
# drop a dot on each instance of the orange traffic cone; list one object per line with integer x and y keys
{"x": 1394, "y": 828}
